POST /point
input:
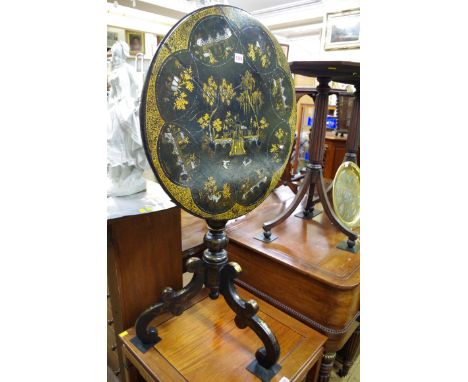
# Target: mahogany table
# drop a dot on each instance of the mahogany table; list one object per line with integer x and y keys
{"x": 204, "y": 344}
{"x": 325, "y": 71}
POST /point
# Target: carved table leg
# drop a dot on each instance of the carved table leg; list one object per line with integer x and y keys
{"x": 327, "y": 366}
{"x": 265, "y": 366}
{"x": 171, "y": 301}
{"x": 220, "y": 277}
{"x": 266, "y": 235}
{"x": 349, "y": 351}
{"x": 214, "y": 271}
{"x": 309, "y": 211}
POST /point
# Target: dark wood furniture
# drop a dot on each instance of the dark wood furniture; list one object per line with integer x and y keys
{"x": 348, "y": 353}
{"x": 302, "y": 272}
{"x": 143, "y": 256}
{"x": 325, "y": 71}
{"x": 216, "y": 158}
{"x": 335, "y": 150}
{"x": 312, "y": 92}
{"x": 204, "y": 344}
{"x": 335, "y": 153}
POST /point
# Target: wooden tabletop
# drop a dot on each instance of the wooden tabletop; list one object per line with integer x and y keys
{"x": 204, "y": 344}
{"x": 309, "y": 246}
{"x": 346, "y": 72}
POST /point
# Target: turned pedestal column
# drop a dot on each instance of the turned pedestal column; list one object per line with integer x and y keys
{"x": 352, "y": 143}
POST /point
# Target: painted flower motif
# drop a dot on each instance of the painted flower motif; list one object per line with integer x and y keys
{"x": 256, "y": 52}
{"x": 263, "y": 123}
{"x": 185, "y": 81}
{"x": 275, "y": 149}
{"x": 217, "y": 125}
{"x": 226, "y": 92}
{"x": 279, "y": 134}
{"x": 251, "y": 52}
{"x": 181, "y": 102}
{"x": 204, "y": 121}
{"x": 226, "y": 191}
{"x": 210, "y": 91}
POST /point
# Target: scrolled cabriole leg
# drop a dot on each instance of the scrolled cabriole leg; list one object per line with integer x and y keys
{"x": 265, "y": 366}
{"x": 171, "y": 301}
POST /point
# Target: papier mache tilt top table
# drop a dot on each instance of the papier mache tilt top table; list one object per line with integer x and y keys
{"x": 218, "y": 116}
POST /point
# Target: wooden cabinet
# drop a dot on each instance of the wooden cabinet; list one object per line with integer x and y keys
{"x": 335, "y": 150}
{"x": 143, "y": 257}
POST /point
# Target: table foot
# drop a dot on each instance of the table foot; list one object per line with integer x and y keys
{"x": 266, "y": 236}
{"x": 265, "y": 375}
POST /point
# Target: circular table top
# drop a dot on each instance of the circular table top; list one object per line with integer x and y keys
{"x": 218, "y": 113}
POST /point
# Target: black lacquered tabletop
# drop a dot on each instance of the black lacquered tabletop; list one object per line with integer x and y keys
{"x": 218, "y": 112}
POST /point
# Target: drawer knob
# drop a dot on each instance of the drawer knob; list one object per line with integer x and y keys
{"x": 114, "y": 347}
{"x": 117, "y": 372}
{"x": 110, "y": 322}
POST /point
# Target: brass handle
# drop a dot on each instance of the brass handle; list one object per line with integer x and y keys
{"x": 114, "y": 347}
{"x": 110, "y": 322}
{"x": 117, "y": 372}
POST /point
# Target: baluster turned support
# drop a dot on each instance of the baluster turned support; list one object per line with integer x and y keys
{"x": 214, "y": 272}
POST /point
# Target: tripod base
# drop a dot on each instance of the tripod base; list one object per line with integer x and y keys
{"x": 265, "y": 375}
{"x": 313, "y": 177}
{"x": 215, "y": 273}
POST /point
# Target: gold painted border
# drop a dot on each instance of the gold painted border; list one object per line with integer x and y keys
{"x": 178, "y": 40}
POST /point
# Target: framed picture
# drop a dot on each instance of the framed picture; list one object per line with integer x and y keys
{"x": 112, "y": 38}
{"x": 136, "y": 41}
{"x": 342, "y": 30}
{"x": 285, "y": 48}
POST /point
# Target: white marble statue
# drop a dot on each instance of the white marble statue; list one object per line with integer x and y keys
{"x": 126, "y": 159}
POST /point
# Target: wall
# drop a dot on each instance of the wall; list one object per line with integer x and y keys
{"x": 301, "y": 27}
{"x": 121, "y": 18}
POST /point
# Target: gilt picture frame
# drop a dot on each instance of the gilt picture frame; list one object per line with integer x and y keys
{"x": 135, "y": 41}
{"x": 342, "y": 30}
